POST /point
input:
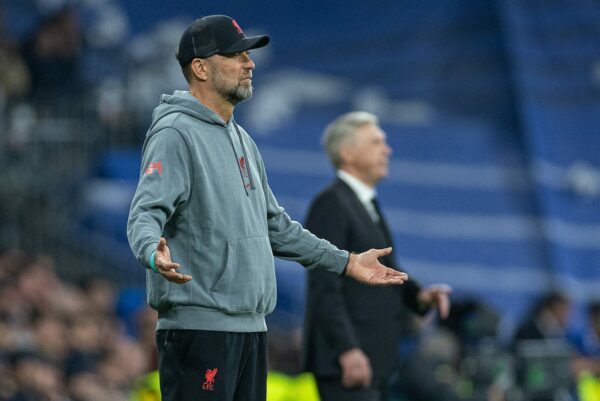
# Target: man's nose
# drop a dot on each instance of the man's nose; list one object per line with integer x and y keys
{"x": 248, "y": 63}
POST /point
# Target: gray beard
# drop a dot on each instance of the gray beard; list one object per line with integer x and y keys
{"x": 233, "y": 95}
{"x": 239, "y": 94}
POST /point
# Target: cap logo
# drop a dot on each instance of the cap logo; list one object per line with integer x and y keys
{"x": 235, "y": 24}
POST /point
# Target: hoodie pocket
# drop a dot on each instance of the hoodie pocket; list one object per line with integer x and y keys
{"x": 247, "y": 282}
{"x": 158, "y": 291}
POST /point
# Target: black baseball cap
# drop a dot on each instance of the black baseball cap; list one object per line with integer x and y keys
{"x": 215, "y": 34}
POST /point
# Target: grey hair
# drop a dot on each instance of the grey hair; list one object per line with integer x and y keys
{"x": 342, "y": 130}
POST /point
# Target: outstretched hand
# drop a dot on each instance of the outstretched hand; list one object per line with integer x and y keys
{"x": 166, "y": 267}
{"x": 365, "y": 268}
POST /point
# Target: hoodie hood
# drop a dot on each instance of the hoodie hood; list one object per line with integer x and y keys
{"x": 183, "y": 102}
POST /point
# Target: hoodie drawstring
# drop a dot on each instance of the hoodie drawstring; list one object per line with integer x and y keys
{"x": 243, "y": 164}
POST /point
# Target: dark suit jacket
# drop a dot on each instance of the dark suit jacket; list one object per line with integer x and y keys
{"x": 341, "y": 313}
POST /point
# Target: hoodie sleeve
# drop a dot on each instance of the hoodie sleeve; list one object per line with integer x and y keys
{"x": 289, "y": 240}
{"x": 163, "y": 187}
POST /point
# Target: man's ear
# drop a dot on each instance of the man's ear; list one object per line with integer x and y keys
{"x": 200, "y": 69}
{"x": 347, "y": 152}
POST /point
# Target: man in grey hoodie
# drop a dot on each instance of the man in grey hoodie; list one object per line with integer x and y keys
{"x": 203, "y": 190}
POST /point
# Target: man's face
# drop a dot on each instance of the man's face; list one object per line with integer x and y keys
{"x": 231, "y": 76}
{"x": 367, "y": 155}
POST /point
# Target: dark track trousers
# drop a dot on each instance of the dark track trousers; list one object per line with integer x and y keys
{"x": 197, "y": 365}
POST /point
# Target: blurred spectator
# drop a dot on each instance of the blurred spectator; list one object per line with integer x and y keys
{"x": 472, "y": 321}
{"x": 37, "y": 378}
{"x": 120, "y": 367}
{"x": 101, "y": 294}
{"x": 85, "y": 337}
{"x": 39, "y": 285}
{"x": 53, "y": 53}
{"x": 88, "y": 386}
{"x": 588, "y": 342}
{"x": 50, "y": 335}
{"x": 14, "y": 76}
{"x": 459, "y": 360}
{"x": 548, "y": 319}
{"x": 430, "y": 373}
{"x": 543, "y": 355}
{"x": 8, "y": 384}
{"x": 146, "y": 335}
{"x": 147, "y": 387}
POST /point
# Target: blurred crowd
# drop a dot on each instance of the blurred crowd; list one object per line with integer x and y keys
{"x": 62, "y": 341}
{"x": 94, "y": 341}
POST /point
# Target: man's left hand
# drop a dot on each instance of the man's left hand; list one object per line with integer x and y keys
{"x": 365, "y": 268}
{"x": 436, "y": 295}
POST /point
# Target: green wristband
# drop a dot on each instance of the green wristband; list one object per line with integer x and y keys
{"x": 152, "y": 265}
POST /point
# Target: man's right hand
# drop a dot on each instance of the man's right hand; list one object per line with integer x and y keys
{"x": 164, "y": 265}
{"x": 356, "y": 368}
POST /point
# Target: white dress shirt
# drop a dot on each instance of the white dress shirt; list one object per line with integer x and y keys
{"x": 364, "y": 192}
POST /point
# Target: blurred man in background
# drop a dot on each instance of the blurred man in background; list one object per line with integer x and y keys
{"x": 351, "y": 330}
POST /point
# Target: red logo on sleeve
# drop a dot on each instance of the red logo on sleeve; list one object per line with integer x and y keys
{"x": 154, "y": 167}
{"x": 209, "y": 384}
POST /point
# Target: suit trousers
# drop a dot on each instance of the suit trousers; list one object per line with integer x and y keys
{"x": 332, "y": 390}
